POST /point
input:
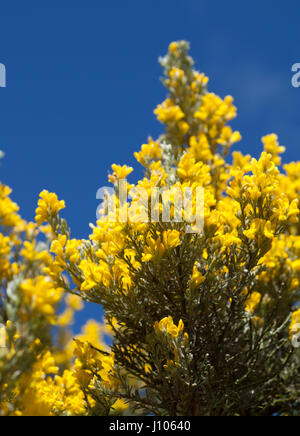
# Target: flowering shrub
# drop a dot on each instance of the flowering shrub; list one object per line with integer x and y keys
{"x": 203, "y": 320}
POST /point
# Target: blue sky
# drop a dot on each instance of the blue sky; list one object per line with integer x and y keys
{"x": 83, "y": 80}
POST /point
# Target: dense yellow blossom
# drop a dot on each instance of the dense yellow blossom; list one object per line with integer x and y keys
{"x": 50, "y": 396}
{"x": 200, "y": 315}
{"x": 168, "y": 112}
{"x": 48, "y": 206}
{"x": 149, "y": 152}
{"x": 41, "y": 295}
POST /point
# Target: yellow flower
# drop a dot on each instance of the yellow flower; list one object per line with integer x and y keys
{"x": 228, "y": 239}
{"x": 176, "y": 73}
{"x": 90, "y": 361}
{"x": 253, "y": 301}
{"x": 200, "y": 148}
{"x": 72, "y": 400}
{"x": 42, "y": 296}
{"x": 293, "y": 211}
{"x": 166, "y": 325}
{"x": 295, "y": 323}
{"x": 214, "y": 110}
{"x": 4, "y": 255}
{"x": 4, "y": 245}
{"x": 183, "y": 127}
{"x": 48, "y": 207}
{"x": 296, "y": 265}
{"x": 149, "y": 152}
{"x": 258, "y": 228}
{"x": 119, "y": 173}
{"x": 173, "y": 47}
{"x": 168, "y": 112}
{"x": 148, "y": 368}
{"x": 228, "y": 137}
{"x": 271, "y": 145}
{"x": 171, "y": 239}
{"x": 240, "y": 161}
{"x": 191, "y": 171}
{"x": 268, "y": 232}
{"x": 30, "y": 253}
{"x": 197, "y": 277}
{"x": 8, "y": 209}
{"x": 94, "y": 275}
{"x": 153, "y": 249}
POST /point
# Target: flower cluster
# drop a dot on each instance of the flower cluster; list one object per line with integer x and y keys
{"x": 201, "y": 314}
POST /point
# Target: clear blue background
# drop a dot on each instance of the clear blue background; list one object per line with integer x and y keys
{"x": 82, "y": 83}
